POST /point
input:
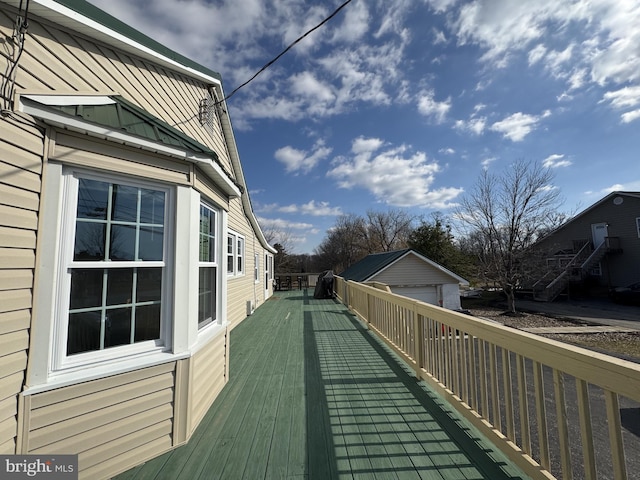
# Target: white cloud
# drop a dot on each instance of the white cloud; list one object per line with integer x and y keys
{"x": 429, "y": 107}
{"x": 319, "y": 209}
{"x": 307, "y": 85}
{"x": 363, "y": 145}
{"x": 439, "y": 37}
{"x": 394, "y": 175}
{"x": 630, "y": 116}
{"x": 355, "y": 24}
{"x": 488, "y": 161}
{"x": 624, "y": 97}
{"x": 608, "y": 38}
{"x": 517, "y": 126}
{"x": 447, "y": 151}
{"x": 555, "y": 161}
{"x": 281, "y": 224}
{"x": 300, "y": 160}
{"x": 474, "y": 125}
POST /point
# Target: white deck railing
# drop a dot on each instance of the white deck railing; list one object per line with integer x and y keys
{"x": 553, "y": 408}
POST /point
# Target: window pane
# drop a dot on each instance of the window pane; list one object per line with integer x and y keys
{"x": 149, "y": 285}
{"x": 83, "y": 334}
{"x": 119, "y": 286}
{"x": 125, "y": 203}
{"x": 151, "y": 207}
{"x": 206, "y": 296}
{"x": 118, "y": 327}
{"x": 123, "y": 243}
{"x": 89, "y": 242}
{"x": 86, "y": 288}
{"x": 93, "y": 199}
{"x": 147, "y": 323}
{"x": 150, "y": 248}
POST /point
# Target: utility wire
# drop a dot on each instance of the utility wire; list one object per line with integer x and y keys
{"x": 268, "y": 64}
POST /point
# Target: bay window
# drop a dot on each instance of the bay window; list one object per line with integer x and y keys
{"x": 115, "y": 266}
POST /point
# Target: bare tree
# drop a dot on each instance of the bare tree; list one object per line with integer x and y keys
{"x": 387, "y": 231}
{"x": 343, "y": 244}
{"x": 505, "y": 215}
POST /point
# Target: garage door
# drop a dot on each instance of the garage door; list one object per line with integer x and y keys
{"x": 424, "y": 294}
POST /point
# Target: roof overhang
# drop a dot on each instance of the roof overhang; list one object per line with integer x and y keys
{"x": 85, "y": 18}
{"x": 42, "y": 107}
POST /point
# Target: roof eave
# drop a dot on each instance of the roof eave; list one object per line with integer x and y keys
{"x": 146, "y": 47}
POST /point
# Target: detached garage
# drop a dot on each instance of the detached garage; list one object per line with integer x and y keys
{"x": 410, "y": 274}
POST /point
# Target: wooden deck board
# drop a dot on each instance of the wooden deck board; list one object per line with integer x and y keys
{"x": 313, "y": 395}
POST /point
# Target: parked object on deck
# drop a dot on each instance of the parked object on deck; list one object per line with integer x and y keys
{"x": 324, "y": 285}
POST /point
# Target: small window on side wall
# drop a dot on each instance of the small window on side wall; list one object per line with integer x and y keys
{"x": 235, "y": 254}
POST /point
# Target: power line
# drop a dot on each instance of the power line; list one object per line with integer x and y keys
{"x": 291, "y": 45}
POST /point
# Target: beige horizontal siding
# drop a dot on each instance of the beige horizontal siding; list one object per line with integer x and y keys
{"x": 18, "y": 217}
{"x": 106, "y": 156}
{"x": 134, "y": 456}
{"x": 13, "y": 321}
{"x": 17, "y": 238}
{"x": 15, "y": 279}
{"x": 104, "y": 420}
{"x": 208, "y": 379}
{"x": 410, "y": 270}
{"x": 15, "y": 300}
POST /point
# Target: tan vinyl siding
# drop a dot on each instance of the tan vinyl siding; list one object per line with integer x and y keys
{"x": 104, "y": 156}
{"x": 411, "y": 270}
{"x": 208, "y": 367}
{"x": 103, "y": 419}
{"x": 21, "y": 148}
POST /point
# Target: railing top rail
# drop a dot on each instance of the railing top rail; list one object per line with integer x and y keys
{"x": 613, "y": 374}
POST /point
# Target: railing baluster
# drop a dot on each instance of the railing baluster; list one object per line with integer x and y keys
{"x": 563, "y": 430}
{"x": 455, "y": 385}
{"x": 523, "y": 405}
{"x": 465, "y": 370}
{"x": 586, "y": 430}
{"x": 615, "y": 435}
{"x": 473, "y": 372}
{"x": 484, "y": 398}
{"x": 508, "y": 394}
{"x": 495, "y": 396}
{"x": 543, "y": 438}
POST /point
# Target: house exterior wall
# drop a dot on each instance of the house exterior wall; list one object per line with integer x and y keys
{"x": 617, "y": 268}
{"x": 411, "y": 270}
{"x": 21, "y": 151}
{"x": 122, "y": 418}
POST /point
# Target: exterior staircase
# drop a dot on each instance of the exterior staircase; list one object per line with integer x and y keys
{"x": 576, "y": 270}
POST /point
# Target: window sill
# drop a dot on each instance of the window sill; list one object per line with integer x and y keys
{"x": 107, "y": 369}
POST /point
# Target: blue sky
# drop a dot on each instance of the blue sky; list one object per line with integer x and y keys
{"x": 402, "y": 104}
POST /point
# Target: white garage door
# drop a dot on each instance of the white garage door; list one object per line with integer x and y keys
{"x": 424, "y": 294}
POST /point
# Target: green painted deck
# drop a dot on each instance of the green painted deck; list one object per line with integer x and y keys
{"x": 312, "y": 394}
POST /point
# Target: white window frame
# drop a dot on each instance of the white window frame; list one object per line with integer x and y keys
{"x": 256, "y": 268}
{"x": 61, "y": 362}
{"x": 236, "y": 255}
{"x": 215, "y": 263}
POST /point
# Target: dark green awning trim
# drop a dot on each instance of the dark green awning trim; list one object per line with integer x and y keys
{"x": 124, "y": 115}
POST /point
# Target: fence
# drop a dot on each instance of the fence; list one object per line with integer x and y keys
{"x": 554, "y": 409}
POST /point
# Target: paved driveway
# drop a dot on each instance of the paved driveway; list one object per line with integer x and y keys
{"x": 592, "y": 311}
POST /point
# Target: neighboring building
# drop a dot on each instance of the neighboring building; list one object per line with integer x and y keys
{"x": 408, "y": 273}
{"x": 128, "y": 246}
{"x": 595, "y": 250}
